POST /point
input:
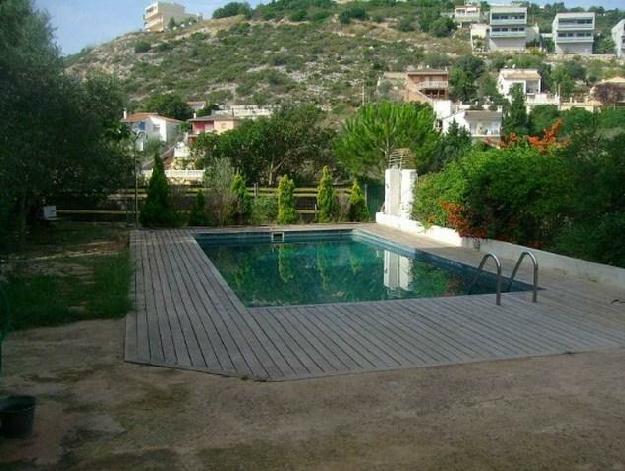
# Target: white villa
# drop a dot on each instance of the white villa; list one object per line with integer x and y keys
{"x": 618, "y": 36}
{"x": 152, "y": 126}
{"x": 482, "y": 124}
{"x": 467, "y": 14}
{"x": 508, "y": 28}
{"x": 573, "y": 33}
{"x": 529, "y": 79}
{"x": 158, "y": 15}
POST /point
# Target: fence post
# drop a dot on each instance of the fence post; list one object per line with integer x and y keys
{"x": 366, "y": 194}
{"x": 256, "y": 190}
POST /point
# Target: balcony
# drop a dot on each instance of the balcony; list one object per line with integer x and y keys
{"x": 508, "y": 34}
{"x": 508, "y": 22}
{"x": 150, "y": 14}
{"x": 430, "y": 85}
{"x": 575, "y": 27}
{"x": 573, "y": 39}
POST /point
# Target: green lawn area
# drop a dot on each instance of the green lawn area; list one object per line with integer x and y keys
{"x": 67, "y": 273}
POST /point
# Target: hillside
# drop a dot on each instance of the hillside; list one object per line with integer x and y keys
{"x": 306, "y": 50}
{"x": 238, "y": 61}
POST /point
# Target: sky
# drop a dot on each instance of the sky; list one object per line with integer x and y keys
{"x": 82, "y": 23}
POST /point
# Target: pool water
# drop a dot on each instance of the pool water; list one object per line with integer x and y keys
{"x": 335, "y": 268}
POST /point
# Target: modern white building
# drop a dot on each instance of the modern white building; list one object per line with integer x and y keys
{"x": 618, "y": 36}
{"x": 529, "y": 79}
{"x": 508, "y": 28}
{"x": 152, "y": 126}
{"x": 573, "y": 33}
{"x": 481, "y": 124}
{"x": 158, "y": 15}
{"x": 467, "y": 14}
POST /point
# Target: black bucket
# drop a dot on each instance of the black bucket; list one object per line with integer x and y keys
{"x": 17, "y": 415}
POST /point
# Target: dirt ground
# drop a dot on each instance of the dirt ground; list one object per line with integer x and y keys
{"x": 96, "y": 412}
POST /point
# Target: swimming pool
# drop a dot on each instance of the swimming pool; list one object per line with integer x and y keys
{"x": 318, "y": 267}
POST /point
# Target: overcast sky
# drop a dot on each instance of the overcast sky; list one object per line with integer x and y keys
{"x": 81, "y": 23}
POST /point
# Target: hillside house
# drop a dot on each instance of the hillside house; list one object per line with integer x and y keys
{"x": 529, "y": 79}
{"x": 508, "y": 28}
{"x": 157, "y": 16}
{"x": 212, "y": 124}
{"x": 481, "y": 124}
{"x": 467, "y": 14}
{"x": 573, "y": 33}
{"x": 152, "y": 126}
{"x": 425, "y": 85}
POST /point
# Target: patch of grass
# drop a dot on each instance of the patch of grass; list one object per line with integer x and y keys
{"x": 109, "y": 296}
{"x": 40, "y": 300}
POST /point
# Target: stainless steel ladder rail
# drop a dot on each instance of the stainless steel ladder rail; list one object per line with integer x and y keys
{"x": 516, "y": 268}
{"x": 481, "y": 269}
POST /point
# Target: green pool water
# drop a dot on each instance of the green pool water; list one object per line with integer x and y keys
{"x": 332, "y": 271}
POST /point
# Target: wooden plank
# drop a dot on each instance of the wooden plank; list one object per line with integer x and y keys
{"x": 143, "y": 338}
{"x": 180, "y": 297}
{"x": 235, "y": 317}
{"x": 446, "y": 351}
{"x": 302, "y": 355}
{"x": 232, "y": 354}
{"x": 162, "y": 299}
{"x": 157, "y": 353}
{"x": 340, "y": 358}
{"x": 170, "y": 308}
{"x": 382, "y": 336}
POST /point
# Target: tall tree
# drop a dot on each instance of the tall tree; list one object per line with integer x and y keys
{"x": 170, "y": 105}
{"x": 515, "y": 114}
{"x": 455, "y": 143}
{"x": 292, "y": 141}
{"x": 56, "y": 133}
{"x": 368, "y": 139}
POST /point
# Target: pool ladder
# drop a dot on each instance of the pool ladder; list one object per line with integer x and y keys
{"x": 492, "y": 256}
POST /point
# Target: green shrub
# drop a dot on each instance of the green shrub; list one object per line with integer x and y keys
{"x": 157, "y": 210}
{"x": 264, "y": 210}
{"x": 326, "y": 198}
{"x": 296, "y": 16}
{"x": 198, "y": 216}
{"x": 358, "y": 211}
{"x": 221, "y": 200}
{"x": 142, "y": 46}
{"x": 405, "y": 25}
{"x": 243, "y": 204}
{"x": 286, "y": 201}
{"x": 514, "y": 194}
{"x": 233, "y": 9}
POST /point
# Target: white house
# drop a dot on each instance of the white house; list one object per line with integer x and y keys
{"x": 573, "y": 33}
{"x": 529, "y": 79}
{"x": 481, "y": 124}
{"x": 467, "y": 14}
{"x": 508, "y": 28}
{"x": 618, "y": 36}
{"x": 152, "y": 126}
{"x": 158, "y": 15}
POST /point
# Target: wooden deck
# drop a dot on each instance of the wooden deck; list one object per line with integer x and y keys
{"x": 187, "y": 317}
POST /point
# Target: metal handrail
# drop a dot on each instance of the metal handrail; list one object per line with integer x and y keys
{"x": 516, "y": 268}
{"x": 481, "y": 269}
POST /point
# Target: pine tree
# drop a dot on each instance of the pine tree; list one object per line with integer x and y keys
{"x": 243, "y": 200}
{"x": 515, "y": 119}
{"x": 198, "y": 216}
{"x": 358, "y": 211}
{"x": 157, "y": 210}
{"x": 327, "y": 203}
{"x": 286, "y": 201}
